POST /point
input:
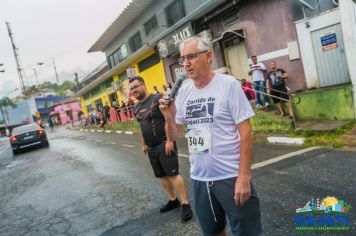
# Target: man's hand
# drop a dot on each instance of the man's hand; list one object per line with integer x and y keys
{"x": 145, "y": 149}
{"x": 242, "y": 189}
{"x": 169, "y": 148}
{"x": 167, "y": 110}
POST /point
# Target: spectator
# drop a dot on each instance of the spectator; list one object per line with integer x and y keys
{"x": 247, "y": 88}
{"x": 257, "y": 70}
{"x": 157, "y": 91}
{"x": 106, "y": 113}
{"x": 123, "y": 108}
{"x": 162, "y": 152}
{"x": 277, "y": 87}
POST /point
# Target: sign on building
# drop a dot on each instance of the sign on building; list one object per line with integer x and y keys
{"x": 328, "y": 41}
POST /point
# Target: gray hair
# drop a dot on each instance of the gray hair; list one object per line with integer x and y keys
{"x": 204, "y": 44}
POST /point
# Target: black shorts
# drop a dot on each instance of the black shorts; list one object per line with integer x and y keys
{"x": 162, "y": 164}
{"x": 280, "y": 94}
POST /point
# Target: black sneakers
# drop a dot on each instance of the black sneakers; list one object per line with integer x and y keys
{"x": 170, "y": 205}
{"x": 187, "y": 213}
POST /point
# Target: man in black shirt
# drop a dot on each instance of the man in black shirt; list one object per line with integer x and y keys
{"x": 162, "y": 153}
{"x": 277, "y": 87}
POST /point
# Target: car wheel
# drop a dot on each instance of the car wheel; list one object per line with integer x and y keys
{"x": 15, "y": 152}
{"x": 45, "y": 144}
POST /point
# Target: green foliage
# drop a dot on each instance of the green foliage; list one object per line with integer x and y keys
{"x": 267, "y": 123}
{"x": 2, "y": 122}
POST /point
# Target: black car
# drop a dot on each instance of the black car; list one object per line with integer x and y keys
{"x": 25, "y": 136}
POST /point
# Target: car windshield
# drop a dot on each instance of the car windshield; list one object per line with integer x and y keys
{"x": 25, "y": 128}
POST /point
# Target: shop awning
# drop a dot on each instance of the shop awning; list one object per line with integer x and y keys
{"x": 239, "y": 32}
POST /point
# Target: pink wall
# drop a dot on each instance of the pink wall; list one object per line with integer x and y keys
{"x": 62, "y": 109}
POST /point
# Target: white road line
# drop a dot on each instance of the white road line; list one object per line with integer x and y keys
{"x": 107, "y": 131}
{"x": 280, "y": 158}
{"x": 113, "y": 143}
{"x": 119, "y": 132}
{"x": 81, "y": 129}
{"x": 128, "y": 132}
{"x": 99, "y": 130}
{"x": 126, "y": 145}
{"x": 92, "y": 130}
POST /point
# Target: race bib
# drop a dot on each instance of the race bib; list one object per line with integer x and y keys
{"x": 199, "y": 140}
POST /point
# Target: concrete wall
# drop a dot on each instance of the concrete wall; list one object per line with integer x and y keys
{"x": 305, "y": 43}
{"x": 348, "y": 21}
{"x": 269, "y": 27}
{"x": 334, "y": 103}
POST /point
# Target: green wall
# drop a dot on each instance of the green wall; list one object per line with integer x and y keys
{"x": 335, "y": 103}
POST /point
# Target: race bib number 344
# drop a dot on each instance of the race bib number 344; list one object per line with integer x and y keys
{"x": 199, "y": 140}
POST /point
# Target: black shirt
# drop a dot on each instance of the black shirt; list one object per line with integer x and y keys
{"x": 276, "y": 82}
{"x": 151, "y": 121}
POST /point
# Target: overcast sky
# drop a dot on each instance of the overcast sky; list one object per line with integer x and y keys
{"x": 62, "y": 29}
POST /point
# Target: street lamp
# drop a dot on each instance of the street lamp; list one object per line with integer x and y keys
{"x": 1, "y": 64}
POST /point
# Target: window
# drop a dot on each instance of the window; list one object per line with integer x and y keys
{"x": 135, "y": 42}
{"x": 148, "y": 62}
{"x": 118, "y": 56}
{"x": 230, "y": 18}
{"x": 150, "y": 25}
{"x": 108, "y": 82}
{"x": 123, "y": 76}
{"x": 175, "y": 12}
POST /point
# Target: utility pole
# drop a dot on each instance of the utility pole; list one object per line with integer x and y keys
{"x": 36, "y": 76}
{"x": 17, "y": 58}
{"x": 76, "y": 81}
{"x": 55, "y": 70}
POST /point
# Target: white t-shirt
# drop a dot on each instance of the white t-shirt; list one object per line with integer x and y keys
{"x": 257, "y": 74}
{"x": 219, "y": 106}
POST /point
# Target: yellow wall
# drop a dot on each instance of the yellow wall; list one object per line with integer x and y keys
{"x": 153, "y": 76}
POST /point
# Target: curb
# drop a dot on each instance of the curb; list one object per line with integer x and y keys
{"x": 105, "y": 131}
{"x": 286, "y": 140}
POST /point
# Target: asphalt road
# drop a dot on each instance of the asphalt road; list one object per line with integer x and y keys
{"x": 101, "y": 184}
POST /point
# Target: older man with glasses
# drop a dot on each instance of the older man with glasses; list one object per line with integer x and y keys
{"x": 216, "y": 112}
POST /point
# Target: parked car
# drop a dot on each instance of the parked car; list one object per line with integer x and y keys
{"x": 25, "y": 136}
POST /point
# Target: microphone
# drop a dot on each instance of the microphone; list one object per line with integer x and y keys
{"x": 175, "y": 89}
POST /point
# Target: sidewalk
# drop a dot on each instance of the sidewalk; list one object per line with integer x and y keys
{"x": 349, "y": 139}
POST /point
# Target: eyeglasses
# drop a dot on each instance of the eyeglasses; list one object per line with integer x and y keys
{"x": 189, "y": 57}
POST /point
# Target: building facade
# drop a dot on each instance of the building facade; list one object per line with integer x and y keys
{"x": 144, "y": 39}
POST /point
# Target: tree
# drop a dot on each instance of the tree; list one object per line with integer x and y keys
{"x": 4, "y": 103}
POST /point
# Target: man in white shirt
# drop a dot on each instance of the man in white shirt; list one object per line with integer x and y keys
{"x": 257, "y": 70}
{"x": 216, "y": 112}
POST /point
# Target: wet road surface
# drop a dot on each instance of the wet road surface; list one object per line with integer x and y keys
{"x": 101, "y": 184}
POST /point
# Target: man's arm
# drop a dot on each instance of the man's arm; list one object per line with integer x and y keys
{"x": 144, "y": 146}
{"x": 242, "y": 185}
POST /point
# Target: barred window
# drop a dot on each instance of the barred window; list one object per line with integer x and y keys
{"x": 135, "y": 42}
{"x": 151, "y": 25}
{"x": 175, "y": 12}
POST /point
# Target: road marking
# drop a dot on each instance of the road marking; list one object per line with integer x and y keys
{"x": 119, "y": 132}
{"x": 128, "y": 132}
{"x": 280, "y": 158}
{"x": 107, "y": 131}
{"x": 113, "y": 143}
{"x": 92, "y": 130}
{"x": 81, "y": 129}
{"x": 86, "y": 130}
{"x": 126, "y": 145}
{"x": 99, "y": 130}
